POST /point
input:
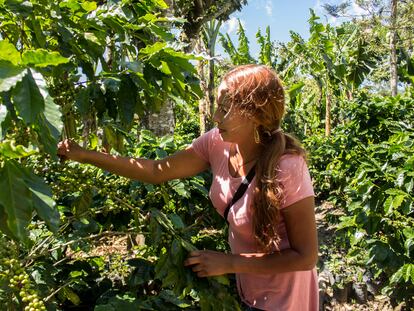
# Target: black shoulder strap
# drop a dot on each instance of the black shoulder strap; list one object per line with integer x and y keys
{"x": 241, "y": 190}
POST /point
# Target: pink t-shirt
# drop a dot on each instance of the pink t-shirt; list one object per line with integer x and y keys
{"x": 289, "y": 291}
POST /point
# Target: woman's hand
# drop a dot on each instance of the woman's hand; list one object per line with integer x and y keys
{"x": 209, "y": 263}
{"x": 68, "y": 149}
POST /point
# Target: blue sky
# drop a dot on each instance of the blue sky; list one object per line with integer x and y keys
{"x": 281, "y": 15}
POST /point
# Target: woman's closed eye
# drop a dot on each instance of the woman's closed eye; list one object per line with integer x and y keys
{"x": 224, "y": 110}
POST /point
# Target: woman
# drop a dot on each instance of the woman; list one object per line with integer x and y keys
{"x": 272, "y": 230}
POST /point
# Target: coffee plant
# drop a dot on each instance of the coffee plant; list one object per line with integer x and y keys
{"x": 57, "y": 272}
{"x": 366, "y": 168}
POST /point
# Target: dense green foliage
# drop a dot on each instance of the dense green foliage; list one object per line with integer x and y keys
{"x": 366, "y": 168}
{"x": 94, "y": 205}
{"x": 49, "y": 66}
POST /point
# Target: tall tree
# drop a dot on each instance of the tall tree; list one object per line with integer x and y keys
{"x": 388, "y": 28}
{"x": 196, "y": 14}
{"x": 336, "y": 58}
{"x": 393, "y": 49}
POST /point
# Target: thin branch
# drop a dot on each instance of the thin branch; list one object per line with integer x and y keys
{"x": 58, "y": 290}
{"x": 62, "y": 260}
{"x": 35, "y": 249}
{"x": 125, "y": 203}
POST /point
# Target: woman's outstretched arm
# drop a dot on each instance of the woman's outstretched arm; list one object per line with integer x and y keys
{"x": 184, "y": 163}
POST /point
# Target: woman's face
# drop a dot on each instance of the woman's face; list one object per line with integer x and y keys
{"x": 232, "y": 125}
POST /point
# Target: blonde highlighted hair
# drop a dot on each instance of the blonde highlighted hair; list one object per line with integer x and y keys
{"x": 257, "y": 91}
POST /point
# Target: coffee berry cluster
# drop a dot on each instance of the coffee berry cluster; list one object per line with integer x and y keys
{"x": 19, "y": 282}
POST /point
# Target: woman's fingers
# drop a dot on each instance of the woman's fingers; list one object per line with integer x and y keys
{"x": 198, "y": 268}
{"x": 209, "y": 263}
{"x": 68, "y": 149}
{"x": 197, "y": 261}
{"x": 192, "y": 260}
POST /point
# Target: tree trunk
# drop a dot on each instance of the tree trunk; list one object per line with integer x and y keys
{"x": 393, "y": 49}
{"x": 210, "y": 90}
{"x": 163, "y": 122}
{"x": 349, "y": 94}
{"x": 202, "y": 103}
{"x": 328, "y": 113}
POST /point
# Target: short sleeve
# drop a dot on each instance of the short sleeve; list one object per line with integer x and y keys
{"x": 203, "y": 144}
{"x": 295, "y": 179}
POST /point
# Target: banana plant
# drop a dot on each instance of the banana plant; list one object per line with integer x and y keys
{"x": 238, "y": 55}
{"x": 267, "y": 53}
{"x": 210, "y": 32}
{"x": 336, "y": 58}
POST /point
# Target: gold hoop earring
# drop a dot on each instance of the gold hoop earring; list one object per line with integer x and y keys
{"x": 256, "y": 136}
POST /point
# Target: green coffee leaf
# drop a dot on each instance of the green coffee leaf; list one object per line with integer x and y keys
{"x": 71, "y": 295}
{"x": 43, "y": 203}
{"x": 393, "y": 202}
{"x": 88, "y": 6}
{"x": 127, "y": 100}
{"x": 43, "y": 58}
{"x": 222, "y": 279}
{"x": 8, "y": 52}
{"x": 16, "y": 199}
{"x": 28, "y": 99}
{"x": 10, "y": 151}
{"x": 150, "y": 50}
{"x": 10, "y": 75}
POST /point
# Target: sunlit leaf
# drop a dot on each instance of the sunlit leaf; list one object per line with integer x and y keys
{"x": 48, "y": 124}
{"x": 43, "y": 58}
{"x": 72, "y": 4}
{"x": 9, "y": 53}
{"x": 88, "y": 5}
{"x": 9, "y": 150}
{"x": 150, "y": 50}
{"x": 71, "y": 295}
{"x": 10, "y": 75}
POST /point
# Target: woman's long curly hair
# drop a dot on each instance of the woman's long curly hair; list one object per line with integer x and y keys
{"x": 257, "y": 92}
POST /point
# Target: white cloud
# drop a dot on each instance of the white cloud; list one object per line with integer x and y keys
{"x": 357, "y": 10}
{"x": 269, "y": 8}
{"x": 317, "y": 7}
{"x": 232, "y": 24}
{"x": 334, "y": 21}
